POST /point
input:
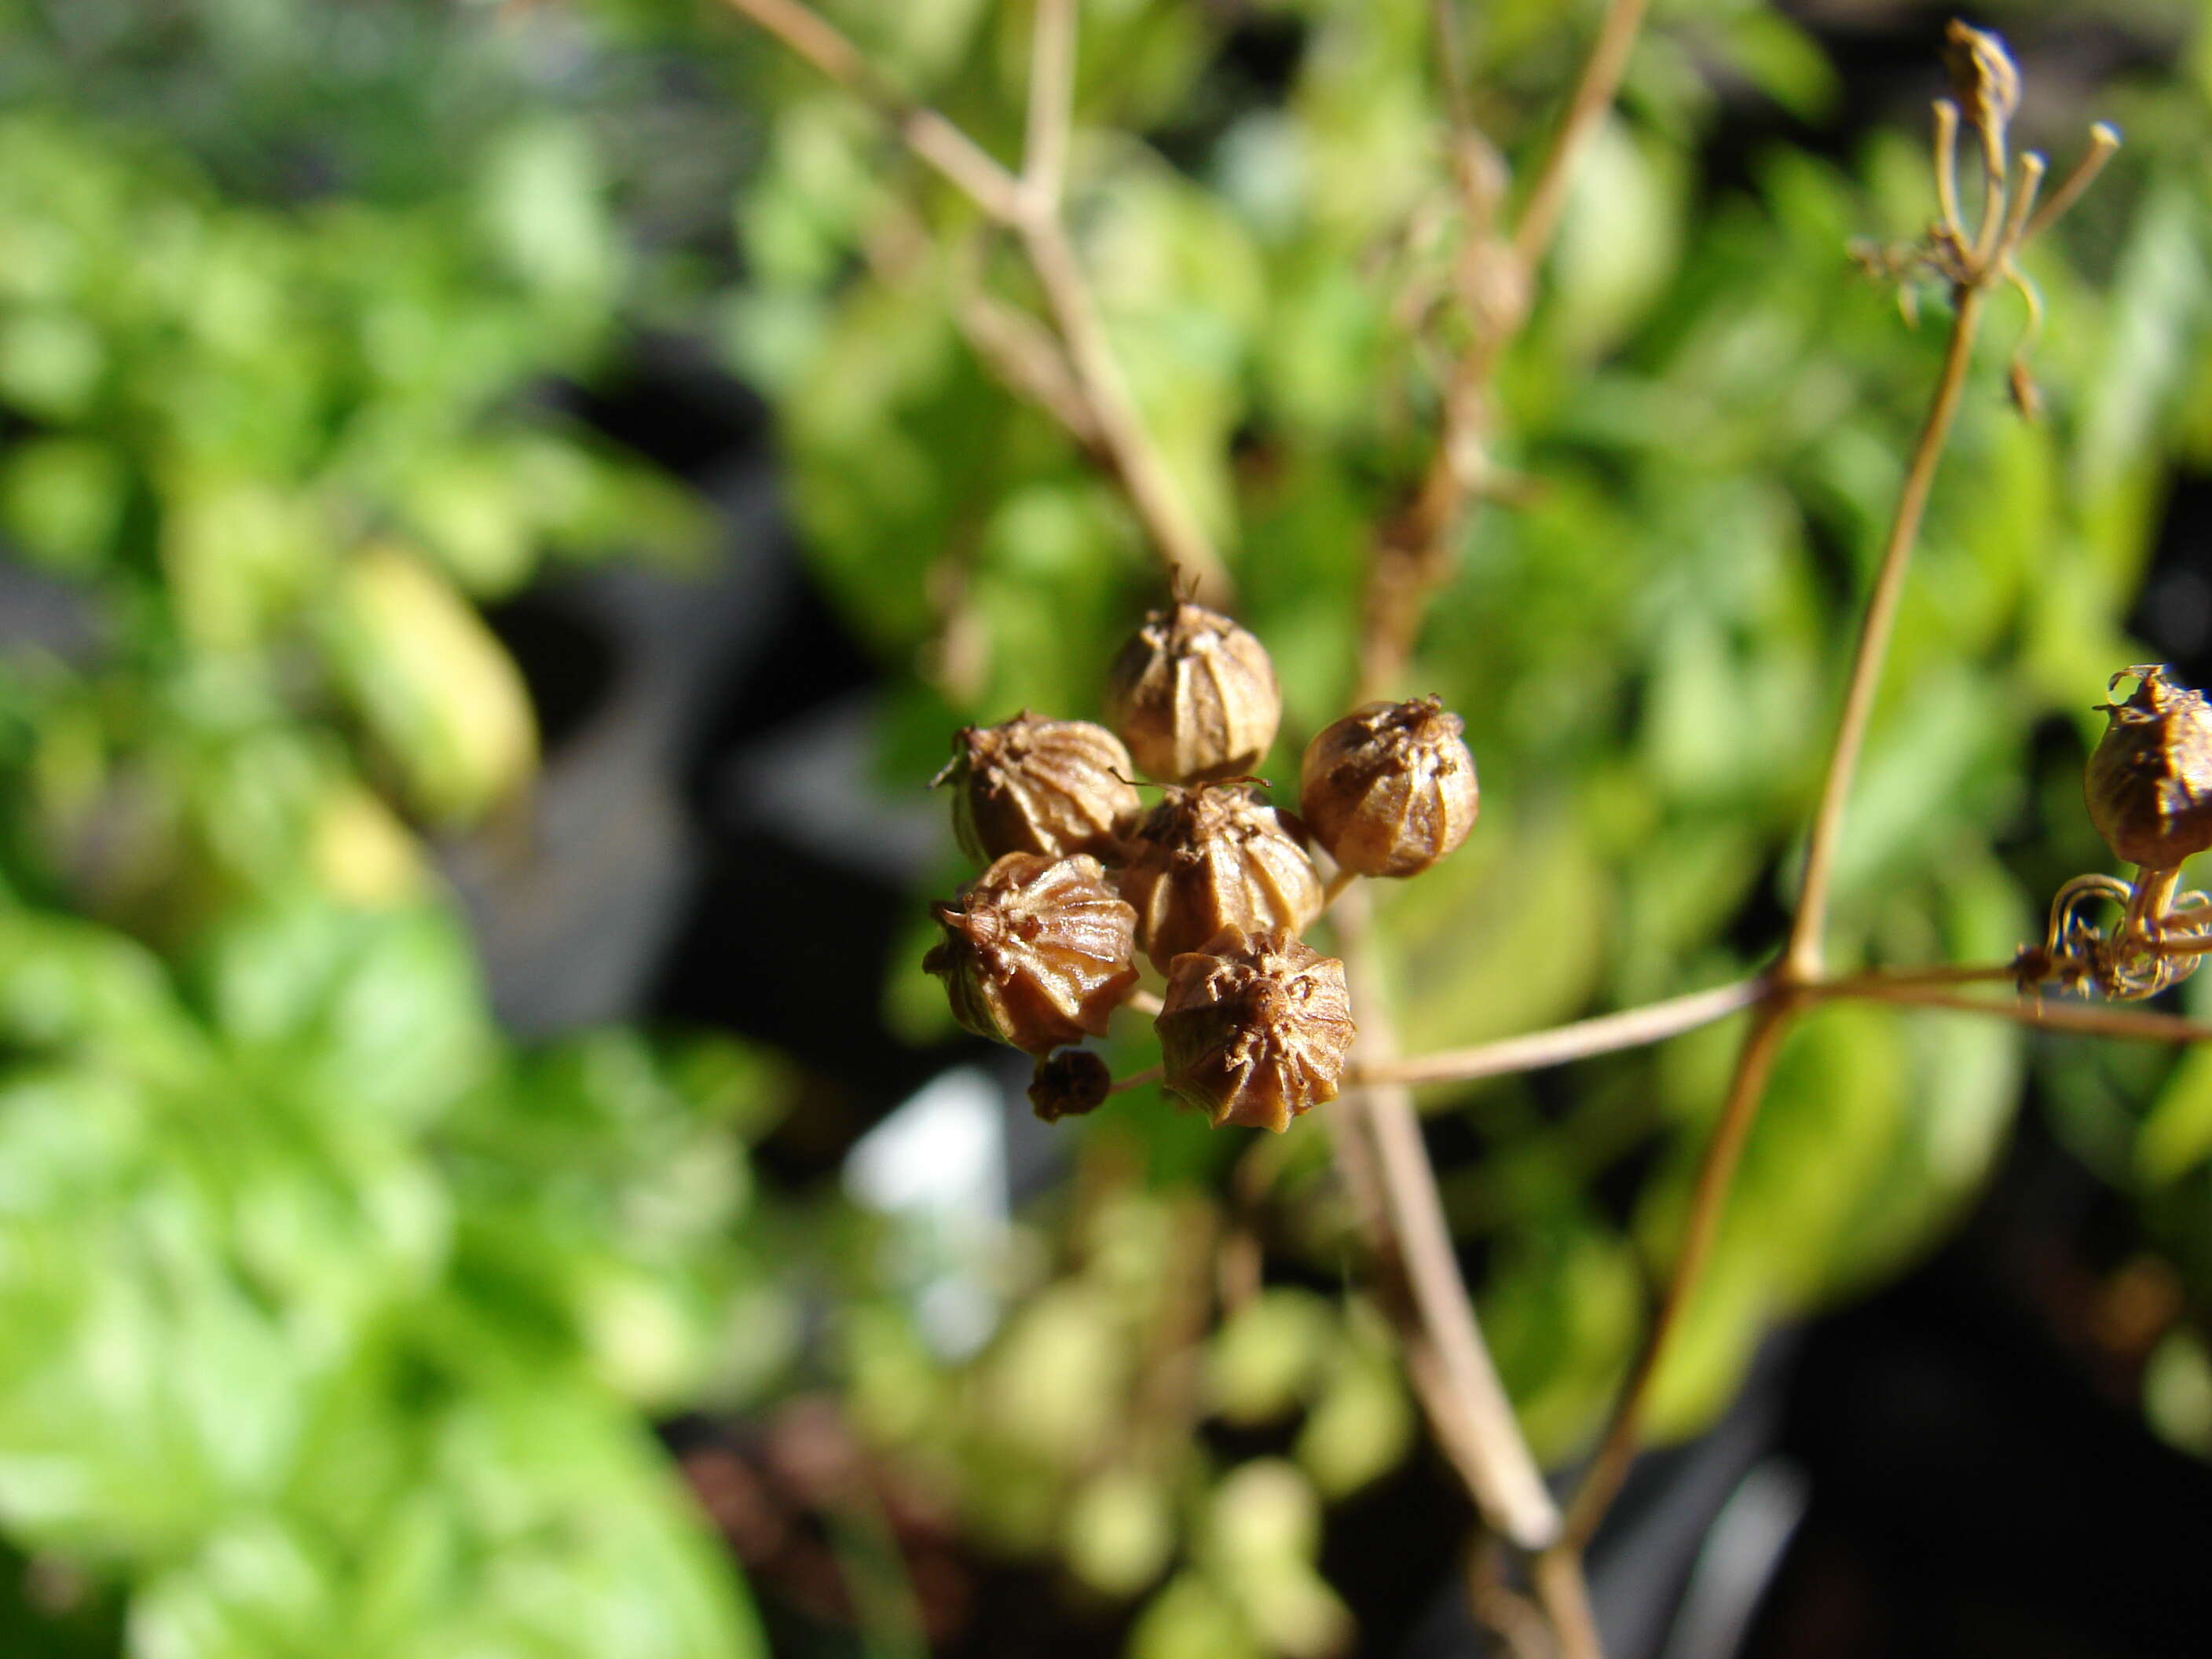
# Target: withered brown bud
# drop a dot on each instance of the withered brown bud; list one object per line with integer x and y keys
{"x": 2149, "y": 780}
{"x": 1255, "y": 1028}
{"x": 1069, "y": 1083}
{"x": 1039, "y": 786}
{"x": 1194, "y": 695}
{"x": 1213, "y": 857}
{"x": 1983, "y": 75}
{"x": 1390, "y": 788}
{"x": 1037, "y": 952}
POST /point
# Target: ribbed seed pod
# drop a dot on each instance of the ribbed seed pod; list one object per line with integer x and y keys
{"x": 1254, "y": 1028}
{"x": 1213, "y": 857}
{"x": 1390, "y": 788}
{"x": 1069, "y": 1083}
{"x": 1037, "y": 952}
{"x": 2149, "y": 780}
{"x": 1039, "y": 786}
{"x": 1194, "y": 695}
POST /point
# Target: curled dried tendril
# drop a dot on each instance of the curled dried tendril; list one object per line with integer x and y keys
{"x": 2162, "y": 935}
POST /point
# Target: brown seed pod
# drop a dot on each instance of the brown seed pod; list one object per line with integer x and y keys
{"x": 2149, "y": 780}
{"x": 1037, "y": 952}
{"x": 1069, "y": 1083}
{"x": 1390, "y": 788}
{"x": 1254, "y": 1028}
{"x": 1213, "y": 857}
{"x": 1039, "y": 786}
{"x": 1194, "y": 695}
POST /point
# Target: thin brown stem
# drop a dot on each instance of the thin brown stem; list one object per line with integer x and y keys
{"x": 926, "y": 133}
{"x": 1051, "y": 112}
{"x": 1593, "y": 95}
{"x": 1802, "y": 960}
{"x": 1616, "y": 1450}
{"x": 1631, "y": 1028}
{"x": 1558, "y": 1577}
{"x": 2089, "y": 1019}
{"x": 1506, "y": 1483}
{"x": 1412, "y": 551}
{"x": 1181, "y": 545}
{"x": 1135, "y": 1080}
{"x": 2103, "y": 141}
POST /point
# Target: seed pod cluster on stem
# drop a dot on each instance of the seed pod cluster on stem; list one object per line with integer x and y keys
{"x": 1212, "y": 885}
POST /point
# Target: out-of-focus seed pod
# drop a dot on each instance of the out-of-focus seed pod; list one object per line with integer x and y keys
{"x": 1039, "y": 786}
{"x": 1390, "y": 788}
{"x": 1254, "y": 1028}
{"x": 1213, "y": 857}
{"x": 1036, "y": 951}
{"x": 1069, "y": 1083}
{"x": 1194, "y": 695}
{"x": 2150, "y": 780}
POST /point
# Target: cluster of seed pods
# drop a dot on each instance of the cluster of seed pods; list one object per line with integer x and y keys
{"x": 1210, "y": 884}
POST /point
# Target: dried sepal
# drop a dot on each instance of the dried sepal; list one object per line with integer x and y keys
{"x": 1194, "y": 695}
{"x": 1069, "y": 1083}
{"x": 2149, "y": 780}
{"x": 1390, "y": 788}
{"x": 1037, "y": 952}
{"x": 1254, "y": 1028}
{"x": 1039, "y": 786}
{"x": 1213, "y": 857}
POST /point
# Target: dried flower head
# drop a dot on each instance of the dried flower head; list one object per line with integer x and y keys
{"x": 1036, "y": 951}
{"x": 1254, "y": 1028}
{"x": 1194, "y": 695}
{"x": 1039, "y": 786}
{"x": 1213, "y": 857}
{"x": 2149, "y": 780}
{"x": 1069, "y": 1083}
{"x": 1390, "y": 788}
{"x": 1982, "y": 76}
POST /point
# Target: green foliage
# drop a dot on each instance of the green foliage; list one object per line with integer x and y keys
{"x": 332, "y": 1314}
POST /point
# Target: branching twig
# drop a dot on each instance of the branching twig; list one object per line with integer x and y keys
{"x": 1413, "y": 549}
{"x": 1029, "y": 206}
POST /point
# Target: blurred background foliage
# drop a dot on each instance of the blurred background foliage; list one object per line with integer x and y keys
{"x": 338, "y": 1319}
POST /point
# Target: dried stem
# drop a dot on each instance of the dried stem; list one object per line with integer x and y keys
{"x": 1801, "y": 962}
{"x": 1505, "y": 1481}
{"x": 1181, "y": 545}
{"x": 1051, "y": 112}
{"x": 1412, "y": 552}
{"x": 1029, "y": 206}
{"x": 927, "y": 134}
{"x": 1632, "y": 1028}
{"x": 2088, "y": 1020}
{"x": 1593, "y": 95}
{"x": 2103, "y": 141}
{"x": 1617, "y": 1447}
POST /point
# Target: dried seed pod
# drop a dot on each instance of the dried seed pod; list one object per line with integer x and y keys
{"x": 1039, "y": 786}
{"x": 1254, "y": 1028}
{"x": 2149, "y": 780}
{"x": 1069, "y": 1083}
{"x": 1213, "y": 857}
{"x": 1390, "y": 788}
{"x": 1036, "y": 951}
{"x": 1194, "y": 695}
